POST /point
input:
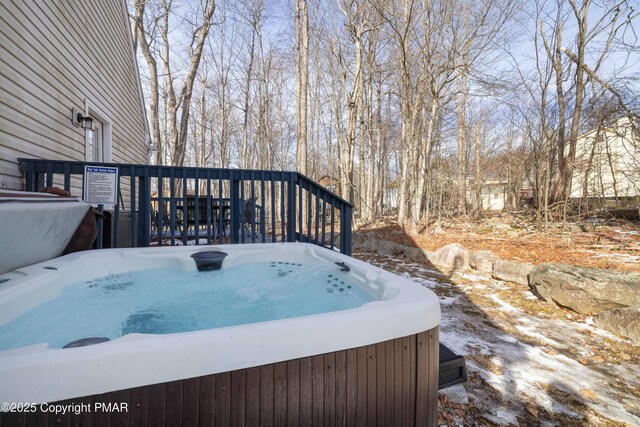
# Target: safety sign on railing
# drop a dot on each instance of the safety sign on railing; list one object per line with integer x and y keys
{"x": 100, "y": 185}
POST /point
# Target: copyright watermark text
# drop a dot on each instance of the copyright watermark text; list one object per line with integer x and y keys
{"x": 62, "y": 409}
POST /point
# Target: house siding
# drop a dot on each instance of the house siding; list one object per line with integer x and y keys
{"x": 607, "y": 166}
{"x": 53, "y": 56}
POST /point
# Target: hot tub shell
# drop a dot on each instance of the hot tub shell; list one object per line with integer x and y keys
{"x": 378, "y": 362}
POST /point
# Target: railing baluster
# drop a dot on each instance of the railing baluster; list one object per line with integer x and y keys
{"x": 309, "y": 214}
{"x": 333, "y": 222}
{"x": 345, "y": 230}
{"x": 132, "y": 216}
{"x": 221, "y": 210}
{"x": 160, "y": 210}
{"x": 67, "y": 177}
{"x": 209, "y": 221}
{"x": 300, "y": 197}
{"x": 316, "y": 212}
{"x": 283, "y": 213}
{"x": 144, "y": 204}
{"x": 324, "y": 219}
{"x": 234, "y": 189}
{"x": 242, "y": 208}
{"x": 291, "y": 208}
{"x": 100, "y": 224}
{"x": 196, "y": 208}
{"x": 262, "y": 210}
{"x": 30, "y": 180}
{"x": 273, "y": 208}
{"x": 115, "y": 242}
{"x": 49, "y": 174}
{"x": 185, "y": 208}
{"x": 253, "y": 208}
{"x": 172, "y": 205}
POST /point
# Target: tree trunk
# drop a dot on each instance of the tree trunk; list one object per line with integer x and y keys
{"x": 462, "y": 128}
{"x": 302, "y": 74}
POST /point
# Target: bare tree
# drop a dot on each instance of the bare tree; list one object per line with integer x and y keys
{"x": 606, "y": 24}
{"x": 302, "y": 81}
{"x": 178, "y": 102}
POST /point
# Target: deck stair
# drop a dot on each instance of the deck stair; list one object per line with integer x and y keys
{"x": 453, "y": 369}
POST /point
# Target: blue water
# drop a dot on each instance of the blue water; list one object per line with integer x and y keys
{"x": 165, "y": 301}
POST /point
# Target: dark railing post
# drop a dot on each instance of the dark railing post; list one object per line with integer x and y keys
{"x": 115, "y": 223}
{"x": 30, "y": 178}
{"x": 291, "y": 208}
{"x": 100, "y": 222}
{"x": 144, "y": 215}
{"x": 234, "y": 195}
{"x": 133, "y": 242}
{"x": 345, "y": 230}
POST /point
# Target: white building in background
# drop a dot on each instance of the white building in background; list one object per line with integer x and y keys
{"x": 493, "y": 193}
{"x": 607, "y": 163}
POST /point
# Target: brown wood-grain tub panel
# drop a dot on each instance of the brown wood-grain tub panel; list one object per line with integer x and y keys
{"x": 392, "y": 383}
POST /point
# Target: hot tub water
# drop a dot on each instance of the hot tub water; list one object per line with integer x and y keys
{"x": 165, "y": 301}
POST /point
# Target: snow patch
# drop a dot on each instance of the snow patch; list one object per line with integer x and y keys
{"x": 525, "y": 357}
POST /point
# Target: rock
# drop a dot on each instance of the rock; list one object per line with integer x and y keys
{"x": 452, "y": 255}
{"x": 368, "y": 245}
{"x": 578, "y": 228}
{"x": 512, "y": 271}
{"x": 502, "y": 227}
{"x": 456, "y": 394}
{"x": 483, "y": 261}
{"x": 357, "y": 239}
{"x": 586, "y": 290}
{"x": 417, "y": 254}
{"x": 624, "y": 322}
{"x": 438, "y": 230}
{"x": 385, "y": 247}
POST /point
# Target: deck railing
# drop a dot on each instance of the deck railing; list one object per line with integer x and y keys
{"x": 168, "y": 205}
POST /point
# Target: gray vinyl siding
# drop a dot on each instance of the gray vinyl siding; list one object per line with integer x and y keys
{"x": 53, "y": 55}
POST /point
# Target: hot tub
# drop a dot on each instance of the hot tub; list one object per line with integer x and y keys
{"x": 371, "y": 363}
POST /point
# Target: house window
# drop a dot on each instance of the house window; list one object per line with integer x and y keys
{"x": 95, "y": 142}
{"x": 98, "y": 140}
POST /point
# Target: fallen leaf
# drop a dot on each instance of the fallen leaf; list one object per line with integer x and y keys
{"x": 532, "y": 410}
{"x": 588, "y": 394}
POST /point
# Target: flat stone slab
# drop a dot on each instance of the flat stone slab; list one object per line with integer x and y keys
{"x": 586, "y": 290}
{"x": 624, "y": 322}
{"x": 483, "y": 261}
{"x": 452, "y": 255}
{"x": 512, "y": 271}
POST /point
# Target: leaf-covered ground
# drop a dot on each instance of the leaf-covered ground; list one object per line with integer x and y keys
{"x": 601, "y": 244}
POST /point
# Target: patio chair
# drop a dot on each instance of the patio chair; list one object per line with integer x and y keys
{"x": 251, "y": 219}
{"x": 166, "y": 224}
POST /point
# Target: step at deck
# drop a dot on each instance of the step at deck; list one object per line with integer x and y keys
{"x": 453, "y": 369}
